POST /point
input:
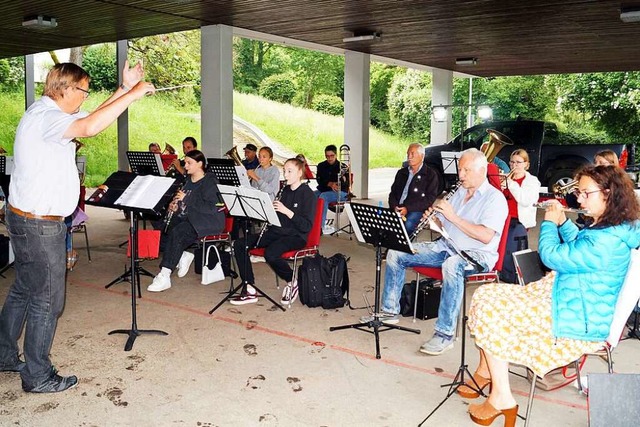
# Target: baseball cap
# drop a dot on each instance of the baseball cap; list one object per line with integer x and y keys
{"x": 251, "y": 147}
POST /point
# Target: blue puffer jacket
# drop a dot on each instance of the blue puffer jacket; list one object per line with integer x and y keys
{"x": 591, "y": 265}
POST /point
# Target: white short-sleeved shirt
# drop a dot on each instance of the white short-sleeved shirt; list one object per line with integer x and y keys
{"x": 45, "y": 178}
{"x": 487, "y": 207}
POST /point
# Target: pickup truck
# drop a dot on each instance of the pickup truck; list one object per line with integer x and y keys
{"x": 550, "y": 162}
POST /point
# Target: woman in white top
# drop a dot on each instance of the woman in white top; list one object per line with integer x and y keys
{"x": 265, "y": 177}
{"x": 521, "y": 189}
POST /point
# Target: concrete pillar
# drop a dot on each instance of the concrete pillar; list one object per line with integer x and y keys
{"x": 123, "y": 120}
{"x": 216, "y": 110}
{"x": 356, "y": 118}
{"x": 29, "y": 80}
{"x": 441, "y": 94}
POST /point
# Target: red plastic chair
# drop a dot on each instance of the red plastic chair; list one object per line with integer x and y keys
{"x": 224, "y": 238}
{"x": 490, "y": 276}
{"x": 310, "y": 249}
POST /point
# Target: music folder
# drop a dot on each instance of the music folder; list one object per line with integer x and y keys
{"x": 249, "y": 202}
{"x": 529, "y": 267}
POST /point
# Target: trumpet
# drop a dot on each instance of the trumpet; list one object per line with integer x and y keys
{"x": 545, "y": 205}
{"x": 561, "y": 190}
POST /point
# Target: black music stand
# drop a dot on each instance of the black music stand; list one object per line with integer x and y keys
{"x": 145, "y": 163}
{"x": 380, "y": 227}
{"x": 5, "y": 175}
{"x": 248, "y": 203}
{"x": 112, "y": 195}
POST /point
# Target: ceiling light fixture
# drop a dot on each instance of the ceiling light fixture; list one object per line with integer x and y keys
{"x": 39, "y": 22}
{"x": 362, "y": 37}
{"x": 630, "y": 14}
{"x": 466, "y": 61}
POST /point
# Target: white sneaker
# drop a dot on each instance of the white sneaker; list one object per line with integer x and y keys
{"x": 185, "y": 262}
{"x": 255, "y": 259}
{"x": 248, "y": 298}
{"x": 328, "y": 229}
{"x": 160, "y": 283}
{"x": 290, "y": 293}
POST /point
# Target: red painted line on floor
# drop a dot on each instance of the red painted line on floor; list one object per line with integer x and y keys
{"x": 369, "y": 356}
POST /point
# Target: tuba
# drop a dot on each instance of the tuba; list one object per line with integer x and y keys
{"x": 233, "y": 155}
{"x": 497, "y": 141}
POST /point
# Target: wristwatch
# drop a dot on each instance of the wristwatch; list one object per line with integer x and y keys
{"x": 125, "y": 87}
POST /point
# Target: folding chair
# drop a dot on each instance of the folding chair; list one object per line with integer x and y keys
{"x": 627, "y": 300}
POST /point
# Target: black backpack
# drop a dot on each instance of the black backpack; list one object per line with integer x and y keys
{"x": 323, "y": 281}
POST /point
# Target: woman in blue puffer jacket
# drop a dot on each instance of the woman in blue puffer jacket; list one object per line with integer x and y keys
{"x": 554, "y": 321}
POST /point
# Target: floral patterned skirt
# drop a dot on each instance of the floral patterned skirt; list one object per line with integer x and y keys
{"x": 513, "y": 323}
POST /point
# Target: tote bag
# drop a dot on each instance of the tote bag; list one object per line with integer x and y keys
{"x": 215, "y": 273}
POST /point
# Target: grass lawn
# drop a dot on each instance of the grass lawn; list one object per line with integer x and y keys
{"x": 153, "y": 119}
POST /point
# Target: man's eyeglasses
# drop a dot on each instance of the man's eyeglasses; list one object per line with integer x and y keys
{"x": 584, "y": 194}
{"x": 86, "y": 92}
{"x": 516, "y": 162}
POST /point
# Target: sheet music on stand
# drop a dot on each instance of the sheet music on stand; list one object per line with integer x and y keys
{"x": 144, "y": 192}
{"x": 6, "y": 165}
{"x": 228, "y": 173}
{"x": 450, "y": 162}
{"x": 145, "y": 163}
{"x": 372, "y": 223}
{"x": 255, "y": 204}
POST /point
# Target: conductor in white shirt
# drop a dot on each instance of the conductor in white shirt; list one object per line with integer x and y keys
{"x": 44, "y": 190}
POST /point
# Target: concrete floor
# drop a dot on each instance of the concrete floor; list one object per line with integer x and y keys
{"x": 250, "y": 365}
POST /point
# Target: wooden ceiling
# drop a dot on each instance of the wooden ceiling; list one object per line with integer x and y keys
{"x": 508, "y": 37}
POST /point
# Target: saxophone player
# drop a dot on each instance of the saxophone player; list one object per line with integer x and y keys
{"x": 474, "y": 218}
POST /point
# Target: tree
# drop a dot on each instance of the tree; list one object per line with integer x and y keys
{"x": 381, "y": 78}
{"x": 100, "y": 62}
{"x": 611, "y": 99}
{"x": 410, "y": 105}
{"x": 316, "y": 72}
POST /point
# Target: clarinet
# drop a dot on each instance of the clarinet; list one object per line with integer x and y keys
{"x": 266, "y": 223}
{"x": 425, "y": 221}
{"x": 169, "y": 215}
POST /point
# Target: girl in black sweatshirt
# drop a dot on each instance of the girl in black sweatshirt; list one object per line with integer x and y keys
{"x": 296, "y": 209}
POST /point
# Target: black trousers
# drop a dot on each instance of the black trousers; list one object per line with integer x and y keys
{"x": 275, "y": 245}
{"x": 180, "y": 236}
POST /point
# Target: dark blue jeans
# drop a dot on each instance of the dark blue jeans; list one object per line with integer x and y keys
{"x": 180, "y": 236}
{"x": 37, "y": 295}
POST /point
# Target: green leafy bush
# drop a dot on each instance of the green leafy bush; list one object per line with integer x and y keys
{"x": 100, "y": 62}
{"x": 410, "y": 105}
{"x": 11, "y": 74}
{"x": 381, "y": 78}
{"x": 278, "y": 87}
{"x": 328, "y": 104}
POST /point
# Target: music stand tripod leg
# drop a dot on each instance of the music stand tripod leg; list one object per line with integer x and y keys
{"x": 243, "y": 284}
{"x": 376, "y": 323}
{"x": 134, "y": 332}
{"x": 459, "y": 380}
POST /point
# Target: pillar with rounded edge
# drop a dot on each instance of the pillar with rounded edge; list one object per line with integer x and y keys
{"x": 356, "y": 118}
{"x": 441, "y": 94}
{"x": 122, "y": 50}
{"x": 216, "y": 111}
{"x": 29, "y": 80}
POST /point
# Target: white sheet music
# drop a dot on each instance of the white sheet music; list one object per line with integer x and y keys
{"x": 243, "y": 177}
{"x": 256, "y": 204}
{"x": 144, "y": 192}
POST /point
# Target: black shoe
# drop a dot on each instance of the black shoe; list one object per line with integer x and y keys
{"x": 55, "y": 383}
{"x": 14, "y": 367}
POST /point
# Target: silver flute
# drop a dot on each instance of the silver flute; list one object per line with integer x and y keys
{"x": 424, "y": 222}
{"x": 266, "y": 223}
{"x": 544, "y": 205}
